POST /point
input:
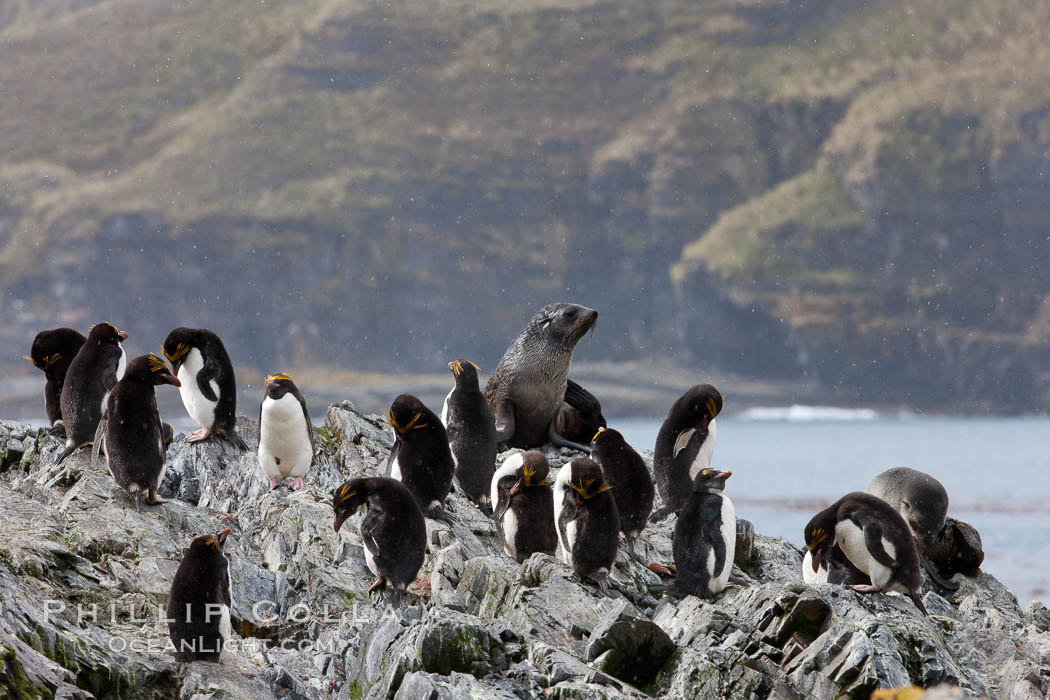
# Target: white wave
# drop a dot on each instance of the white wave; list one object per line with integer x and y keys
{"x": 798, "y": 412}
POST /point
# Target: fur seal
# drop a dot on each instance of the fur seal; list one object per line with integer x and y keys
{"x": 529, "y": 387}
{"x": 923, "y": 503}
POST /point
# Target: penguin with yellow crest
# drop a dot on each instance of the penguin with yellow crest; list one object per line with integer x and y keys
{"x": 471, "y": 433}
{"x": 286, "y": 436}
{"x": 420, "y": 458}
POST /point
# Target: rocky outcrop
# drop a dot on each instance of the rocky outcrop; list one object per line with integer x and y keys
{"x": 83, "y": 576}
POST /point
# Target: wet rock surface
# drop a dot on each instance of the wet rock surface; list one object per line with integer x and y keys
{"x": 84, "y": 578}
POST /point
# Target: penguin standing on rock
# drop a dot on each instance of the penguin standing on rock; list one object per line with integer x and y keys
{"x": 199, "y": 604}
{"x": 588, "y": 525}
{"x": 209, "y": 388}
{"x": 393, "y": 531}
{"x": 524, "y": 505}
{"x": 92, "y": 374}
{"x": 52, "y": 353}
{"x": 632, "y": 487}
{"x": 704, "y": 538}
{"x": 421, "y": 458}
{"x": 685, "y": 445}
{"x": 286, "y": 436}
{"x": 132, "y": 431}
{"x": 471, "y": 433}
{"x": 874, "y": 537}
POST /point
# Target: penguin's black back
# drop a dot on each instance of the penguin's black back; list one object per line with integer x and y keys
{"x": 625, "y": 471}
{"x": 394, "y": 530}
{"x": 134, "y": 435}
{"x": 202, "y": 579}
{"x": 534, "y": 509}
{"x": 422, "y": 451}
{"x": 597, "y": 522}
{"x": 53, "y": 351}
{"x": 92, "y": 373}
{"x": 471, "y": 433}
{"x": 698, "y": 532}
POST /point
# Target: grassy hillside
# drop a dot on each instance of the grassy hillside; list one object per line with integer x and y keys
{"x": 856, "y": 184}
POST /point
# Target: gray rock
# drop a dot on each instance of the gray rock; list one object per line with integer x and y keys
{"x": 476, "y": 624}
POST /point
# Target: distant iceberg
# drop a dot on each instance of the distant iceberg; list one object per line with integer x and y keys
{"x": 798, "y": 412}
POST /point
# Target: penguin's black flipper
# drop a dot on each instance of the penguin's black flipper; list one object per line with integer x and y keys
{"x": 236, "y": 440}
{"x": 99, "y": 432}
{"x": 57, "y": 430}
{"x": 660, "y": 513}
{"x": 208, "y": 372}
{"x": 70, "y": 448}
{"x": 558, "y": 440}
{"x": 935, "y": 575}
{"x": 501, "y": 507}
{"x": 917, "y": 599}
{"x": 580, "y": 415}
{"x": 437, "y": 512}
{"x": 873, "y": 540}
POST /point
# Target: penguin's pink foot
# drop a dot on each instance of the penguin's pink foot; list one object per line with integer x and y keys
{"x": 866, "y": 588}
{"x": 296, "y": 484}
{"x": 273, "y": 484}
{"x": 198, "y": 435}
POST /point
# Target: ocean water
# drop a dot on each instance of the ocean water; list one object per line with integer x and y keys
{"x": 789, "y": 463}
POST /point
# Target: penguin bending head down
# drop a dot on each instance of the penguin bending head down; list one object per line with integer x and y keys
{"x": 874, "y": 537}
{"x": 704, "y": 538}
{"x": 471, "y": 433}
{"x": 632, "y": 487}
{"x": 420, "y": 458}
{"x": 685, "y": 445}
{"x": 209, "y": 388}
{"x": 588, "y": 525}
{"x": 132, "y": 431}
{"x": 286, "y": 436}
{"x": 52, "y": 353}
{"x": 93, "y": 373}
{"x": 199, "y": 604}
{"x": 393, "y": 531}
{"x": 524, "y": 506}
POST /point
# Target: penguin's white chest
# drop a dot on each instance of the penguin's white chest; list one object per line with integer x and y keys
{"x": 370, "y": 561}
{"x": 200, "y": 408}
{"x": 395, "y": 468}
{"x": 122, "y": 363}
{"x": 510, "y": 530}
{"x": 444, "y": 410}
{"x": 706, "y": 452}
{"x": 810, "y": 576}
{"x": 850, "y": 539}
{"x": 284, "y": 438}
{"x": 225, "y": 626}
{"x": 568, "y": 538}
{"x": 719, "y": 579}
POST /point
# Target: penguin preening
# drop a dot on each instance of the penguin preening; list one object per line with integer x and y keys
{"x": 632, "y": 487}
{"x": 685, "y": 445}
{"x": 92, "y": 374}
{"x": 131, "y": 429}
{"x": 588, "y": 525}
{"x": 471, "y": 433}
{"x": 393, "y": 531}
{"x": 201, "y": 597}
{"x": 286, "y": 436}
{"x": 704, "y": 538}
{"x": 420, "y": 458}
{"x": 874, "y": 537}
{"x": 209, "y": 387}
{"x": 52, "y": 353}
{"x": 524, "y": 506}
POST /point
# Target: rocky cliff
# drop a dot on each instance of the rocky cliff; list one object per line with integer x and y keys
{"x": 847, "y": 190}
{"x": 83, "y": 575}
